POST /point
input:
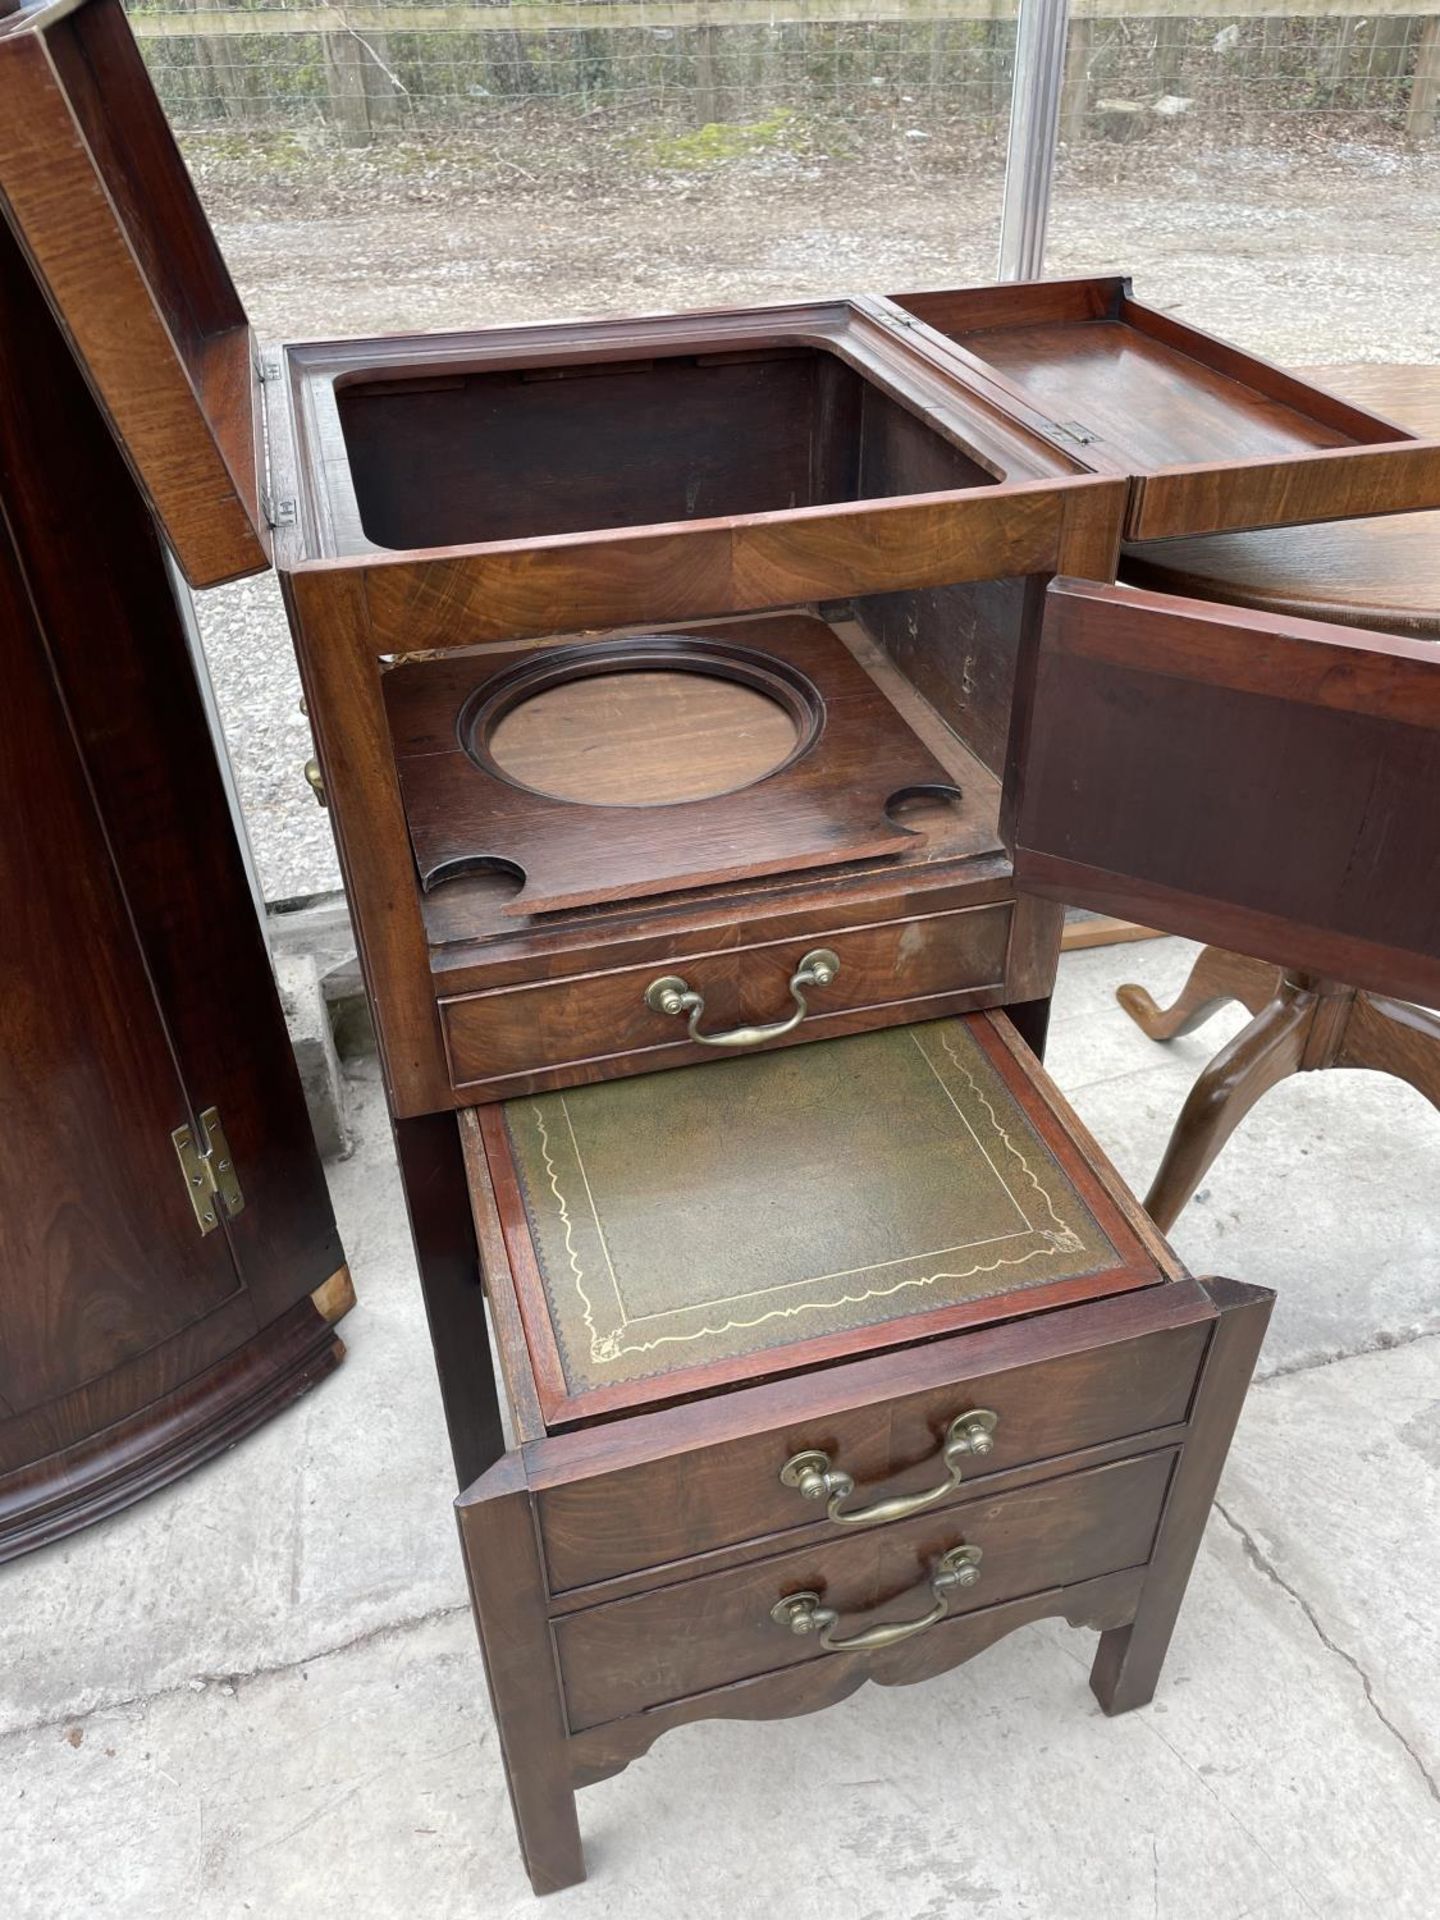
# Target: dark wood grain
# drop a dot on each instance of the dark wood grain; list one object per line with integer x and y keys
{"x": 826, "y": 804}
{"x": 208, "y": 1412}
{"x": 629, "y": 1655}
{"x": 100, "y": 1259}
{"x": 1382, "y": 574}
{"x": 601, "y": 1751}
{"x": 346, "y": 623}
{"x": 340, "y": 672}
{"x": 1299, "y": 1023}
{"x": 138, "y": 925}
{"x": 1127, "y": 1664}
{"x": 1246, "y": 779}
{"x": 515, "y": 455}
{"x": 634, "y": 416}
{"x": 1211, "y": 437}
{"x": 718, "y": 1493}
{"x": 497, "y": 1533}
{"x": 501, "y": 1042}
{"x": 1215, "y": 979}
{"x": 437, "y": 1201}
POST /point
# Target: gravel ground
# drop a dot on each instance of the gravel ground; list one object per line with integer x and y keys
{"x": 1304, "y": 252}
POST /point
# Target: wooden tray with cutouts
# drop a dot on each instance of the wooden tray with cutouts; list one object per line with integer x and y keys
{"x": 631, "y": 767}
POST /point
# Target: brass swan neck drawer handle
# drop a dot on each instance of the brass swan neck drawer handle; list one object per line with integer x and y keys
{"x": 810, "y": 1473}
{"x": 803, "y": 1613}
{"x": 671, "y": 995}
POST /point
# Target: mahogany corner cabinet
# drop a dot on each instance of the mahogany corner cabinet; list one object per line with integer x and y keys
{"x": 717, "y": 711}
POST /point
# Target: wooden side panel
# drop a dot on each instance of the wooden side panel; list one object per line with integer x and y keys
{"x": 1261, "y": 783}
{"x": 960, "y": 646}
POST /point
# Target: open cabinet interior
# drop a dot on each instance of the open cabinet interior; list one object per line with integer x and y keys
{"x": 542, "y": 432}
{"x": 713, "y": 802}
{"x": 623, "y": 770}
{"x": 519, "y": 454}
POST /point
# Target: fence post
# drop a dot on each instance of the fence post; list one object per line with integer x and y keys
{"x": 1425, "y": 87}
{"x": 1075, "y": 89}
{"x": 347, "y": 95}
{"x": 709, "y": 107}
{"x": 217, "y": 71}
{"x": 381, "y": 93}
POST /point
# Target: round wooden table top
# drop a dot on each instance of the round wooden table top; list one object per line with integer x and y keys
{"x": 1381, "y": 573}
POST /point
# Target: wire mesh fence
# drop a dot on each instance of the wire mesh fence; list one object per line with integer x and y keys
{"x": 701, "y": 82}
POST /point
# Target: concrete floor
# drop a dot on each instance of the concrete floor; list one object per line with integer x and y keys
{"x": 258, "y": 1693}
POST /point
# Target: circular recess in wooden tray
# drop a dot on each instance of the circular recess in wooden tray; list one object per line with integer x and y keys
{"x": 605, "y": 801}
{"x": 650, "y": 722}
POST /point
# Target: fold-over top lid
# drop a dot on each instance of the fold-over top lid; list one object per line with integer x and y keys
{"x": 93, "y": 184}
{"x": 1212, "y": 439}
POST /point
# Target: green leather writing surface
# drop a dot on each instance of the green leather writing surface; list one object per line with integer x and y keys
{"x": 759, "y": 1201}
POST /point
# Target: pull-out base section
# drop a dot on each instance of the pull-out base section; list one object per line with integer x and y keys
{"x": 898, "y": 1366}
{"x": 584, "y": 1680}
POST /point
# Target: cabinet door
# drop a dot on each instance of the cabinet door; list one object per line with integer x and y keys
{"x": 95, "y": 578}
{"x": 106, "y": 1283}
{"x": 135, "y": 993}
{"x": 1262, "y": 783}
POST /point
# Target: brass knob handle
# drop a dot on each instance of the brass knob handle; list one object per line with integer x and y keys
{"x": 316, "y": 781}
{"x": 812, "y": 1475}
{"x": 803, "y": 1613}
{"x": 671, "y": 995}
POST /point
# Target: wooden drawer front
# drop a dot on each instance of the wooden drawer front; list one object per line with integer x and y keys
{"x": 891, "y": 971}
{"x": 701, "y": 1499}
{"x": 628, "y": 1655}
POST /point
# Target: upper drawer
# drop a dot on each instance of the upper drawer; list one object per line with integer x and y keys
{"x": 663, "y": 1645}
{"x": 684, "y": 1502}
{"x": 509, "y": 1039}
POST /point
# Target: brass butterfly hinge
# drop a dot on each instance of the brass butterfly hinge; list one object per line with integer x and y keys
{"x": 210, "y": 1177}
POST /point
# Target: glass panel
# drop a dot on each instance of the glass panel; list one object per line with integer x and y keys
{"x": 1275, "y": 180}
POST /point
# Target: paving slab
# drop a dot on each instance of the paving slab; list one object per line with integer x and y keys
{"x": 1336, "y": 1494}
{"x": 367, "y": 1783}
{"x": 1326, "y": 1191}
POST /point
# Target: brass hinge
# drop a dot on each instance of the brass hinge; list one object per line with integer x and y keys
{"x": 1073, "y": 430}
{"x": 210, "y": 1177}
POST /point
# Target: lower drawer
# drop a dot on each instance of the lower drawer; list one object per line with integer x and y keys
{"x": 629, "y": 1655}
{"x": 891, "y": 971}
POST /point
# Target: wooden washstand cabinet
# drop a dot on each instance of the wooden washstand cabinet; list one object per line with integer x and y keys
{"x": 689, "y": 689}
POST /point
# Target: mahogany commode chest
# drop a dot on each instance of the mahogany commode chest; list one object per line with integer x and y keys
{"x": 689, "y": 689}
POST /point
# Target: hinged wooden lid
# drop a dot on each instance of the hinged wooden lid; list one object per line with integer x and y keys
{"x": 94, "y": 186}
{"x": 1212, "y": 439}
